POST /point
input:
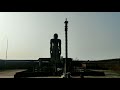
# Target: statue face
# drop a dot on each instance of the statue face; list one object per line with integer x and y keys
{"x": 55, "y": 36}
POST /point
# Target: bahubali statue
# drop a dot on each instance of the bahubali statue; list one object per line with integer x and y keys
{"x": 55, "y": 51}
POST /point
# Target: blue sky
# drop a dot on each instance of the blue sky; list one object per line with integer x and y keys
{"x": 91, "y": 35}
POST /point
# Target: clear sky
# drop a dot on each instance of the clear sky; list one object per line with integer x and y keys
{"x": 91, "y": 35}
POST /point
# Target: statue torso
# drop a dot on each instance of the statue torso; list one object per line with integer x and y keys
{"x": 55, "y": 43}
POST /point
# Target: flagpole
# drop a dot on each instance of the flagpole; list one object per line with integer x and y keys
{"x": 6, "y": 53}
{"x": 7, "y": 49}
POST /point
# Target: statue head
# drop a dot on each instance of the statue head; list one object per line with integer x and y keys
{"x": 55, "y": 36}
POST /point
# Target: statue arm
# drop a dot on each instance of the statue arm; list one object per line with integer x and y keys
{"x": 60, "y": 46}
{"x": 50, "y": 46}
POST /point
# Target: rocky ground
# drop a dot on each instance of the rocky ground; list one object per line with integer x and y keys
{"x": 8, "y": 73}
{"x": 108, "y": 74}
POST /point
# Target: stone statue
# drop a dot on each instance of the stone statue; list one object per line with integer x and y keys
{"x": 55, "y": 51}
